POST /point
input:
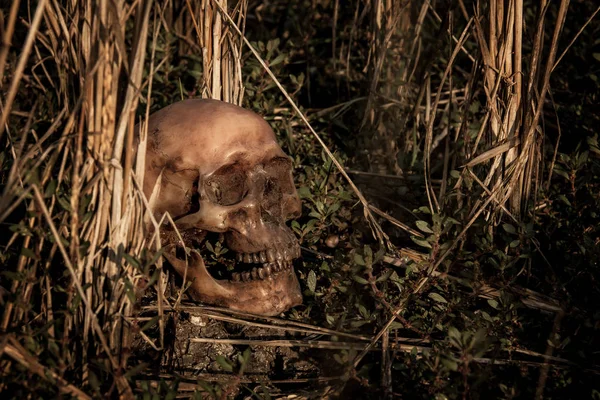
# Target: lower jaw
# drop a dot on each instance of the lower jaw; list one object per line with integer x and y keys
{"x": 268, "y": 297}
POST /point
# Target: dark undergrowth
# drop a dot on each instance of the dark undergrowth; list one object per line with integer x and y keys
{"x": 470, "y": 270}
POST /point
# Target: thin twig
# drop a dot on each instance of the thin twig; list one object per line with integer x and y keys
{"x": 575, "y": 37}
{"x": 313, "y": 344}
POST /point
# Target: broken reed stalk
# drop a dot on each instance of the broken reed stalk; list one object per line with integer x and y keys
{"x": 221, "y": 49}
{"x": 513, "y": 109}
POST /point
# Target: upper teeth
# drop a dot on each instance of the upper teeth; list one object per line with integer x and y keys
{"x": 272, "y": 260}
{"x": 270, "y": 255}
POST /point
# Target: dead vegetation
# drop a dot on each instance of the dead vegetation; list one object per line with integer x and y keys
{"x": 427, "y": 267}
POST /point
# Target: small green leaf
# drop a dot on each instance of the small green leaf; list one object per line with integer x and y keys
{"x": 561, "y": 172}
{"x": 311, "y": 281}
{"x": 64, "y": 203}
{"x": 423, "y": 226}
{"x": 359, "y": 260}
{"x": 277, "y": 60}
{"x": 360, "y": 280}
{"x": 243, "y": 359}
{"x": 358, "y": 324}
{"x": 330, "y": 319}
{"x": 304, "y": 192}
{"x": 437, "y": 297}
{"x": 564, "y": 200}
{"x": 385, "y": 276}
{"x": 421, "y": 242}
{"x": 272, "y": 44}
{"x": 486, "y": 316}
{"x": 131, "y": 294}
{"x": 132, "y": 261}
{"x": 333, "y": 208}
{"x": 368, "y": 255}
{"x": 156, "y": 256}
{"x": 509, "y": 228}
{"x": 493, "y": 303}
{"x": 26, "y": 252}
{"x": 315, "y": 214}
{"x": 149, "y": 324}
{"x": 363, "y": 311}
{"x": 51, "y": 188}
{"x": 450, "y": 364}
{"x": 396, "y": 325}
{"x": 582, "y": 159}
{"x": 320, "y": 206}
{"x": 224, "y": 363}
{"x": 454, "y": 333}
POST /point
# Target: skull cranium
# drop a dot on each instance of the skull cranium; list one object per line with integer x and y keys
{"x": 216, "y": 167}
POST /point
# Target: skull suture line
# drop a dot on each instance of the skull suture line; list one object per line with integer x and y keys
{"x": 216, "y": 167}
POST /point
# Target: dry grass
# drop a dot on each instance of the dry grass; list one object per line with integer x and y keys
{"x": 79, "y": 180}
{"x": 83, "y": 194}
{"x": 504, "y": 157}
{"x": 506, "y": 151}
{"x": 74, "y": 183}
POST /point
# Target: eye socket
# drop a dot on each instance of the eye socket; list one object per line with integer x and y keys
{"x": 182, "y": 186}
{"x": 279, "y": 169}
{"x": 227, "y": 185}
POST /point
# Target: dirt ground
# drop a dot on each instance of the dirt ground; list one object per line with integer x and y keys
{"x": 196, "y": 346}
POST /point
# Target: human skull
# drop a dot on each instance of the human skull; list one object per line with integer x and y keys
{"x": 216, "y": 167}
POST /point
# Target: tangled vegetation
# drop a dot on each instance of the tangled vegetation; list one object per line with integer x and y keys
{"x": 447, "y": 158}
